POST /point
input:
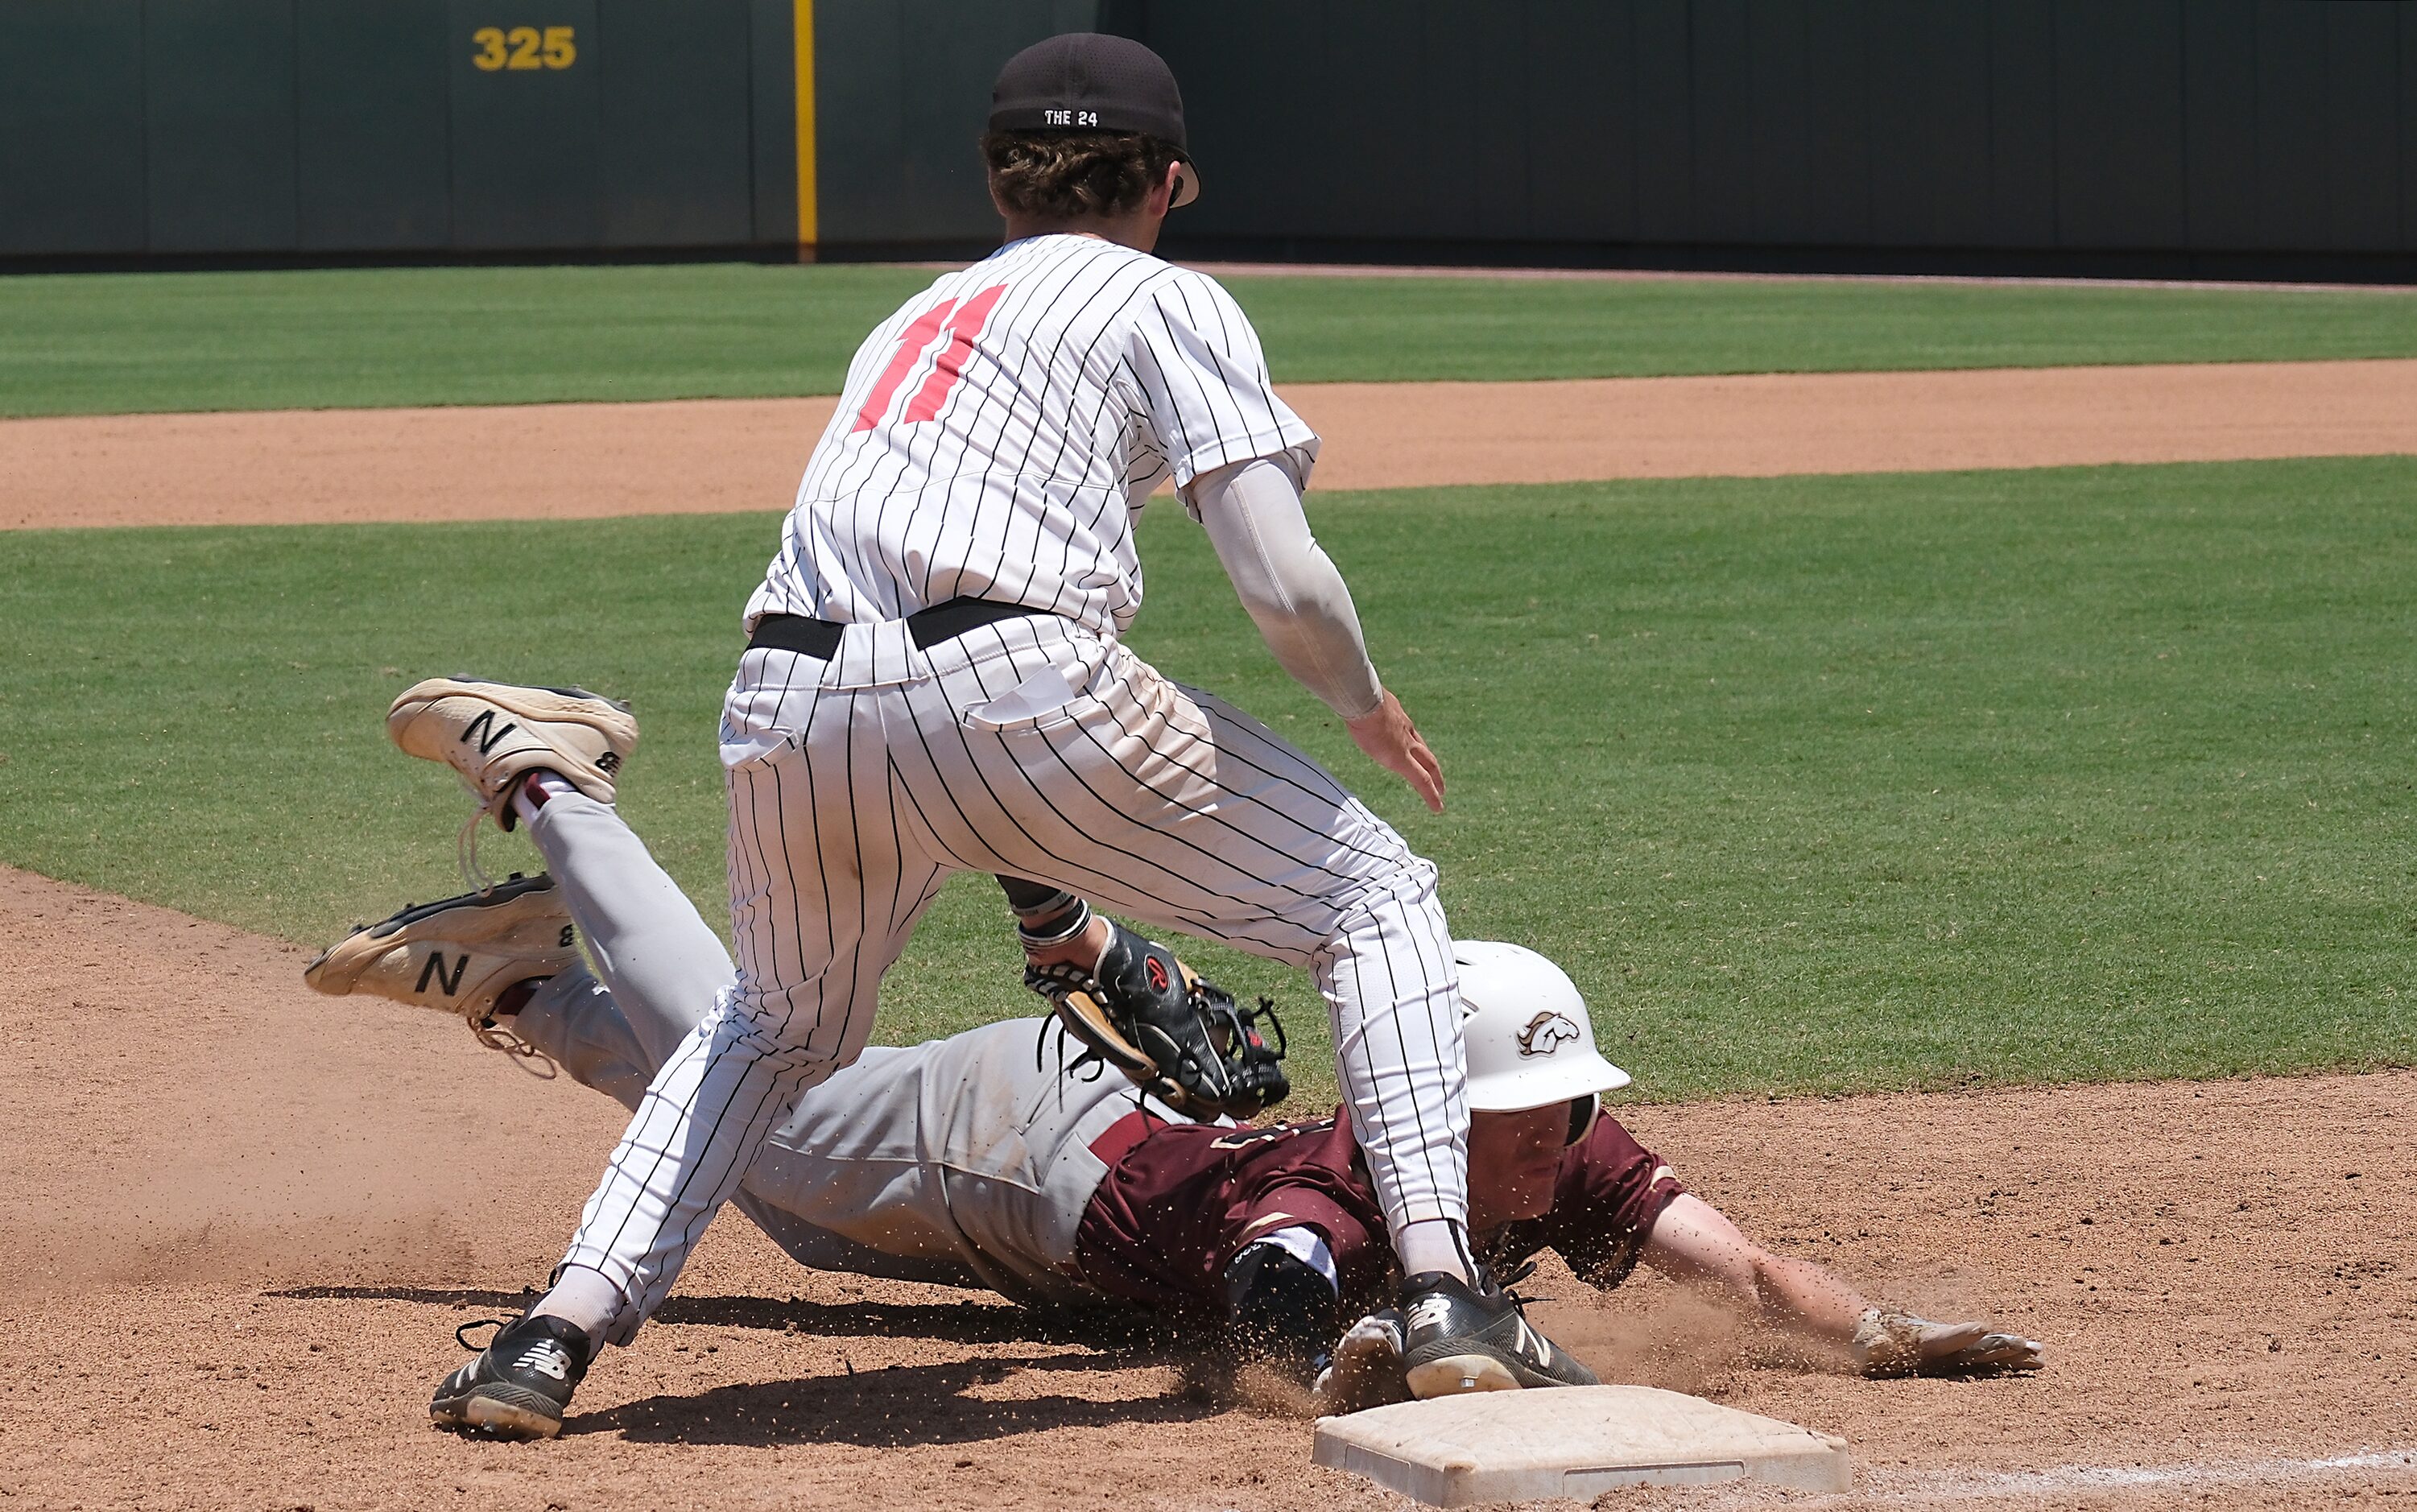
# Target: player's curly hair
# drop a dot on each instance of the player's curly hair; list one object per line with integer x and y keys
{"x": 1059, "y": 175}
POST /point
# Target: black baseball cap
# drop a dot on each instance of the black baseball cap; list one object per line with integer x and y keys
{"x": 1091, "y": 82}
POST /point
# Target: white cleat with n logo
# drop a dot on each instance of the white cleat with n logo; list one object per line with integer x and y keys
{"x": 458, "y": 955}
{"x": 492, "y": 733}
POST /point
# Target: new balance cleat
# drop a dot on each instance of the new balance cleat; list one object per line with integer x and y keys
{"x": 1461, "y": 1338}
{"x": 519, "y": 1385}
{"x": 493, "y": 733}
{"x": 457, "y": 956}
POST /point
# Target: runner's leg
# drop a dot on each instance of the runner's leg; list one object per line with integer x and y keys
{"x": 822, "y": 898}
{"x": 661, "y": 963}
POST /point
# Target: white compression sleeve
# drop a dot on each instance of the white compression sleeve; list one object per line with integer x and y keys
{"x": 1290, "y": 586}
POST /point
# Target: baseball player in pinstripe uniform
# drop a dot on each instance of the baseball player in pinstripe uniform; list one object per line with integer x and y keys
{"x": 936, "y": 681}
{"x": 971, "y": 1161}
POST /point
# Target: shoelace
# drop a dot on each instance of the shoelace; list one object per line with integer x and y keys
{"x": 488, "y": 1032}
{"x": 1553, "y": 1354}
{"x": 495, "y": 1324}
{"x": 1512, "y": 1277}
{"x": 466, "y": 853}
{"x": 494, "y": 1035}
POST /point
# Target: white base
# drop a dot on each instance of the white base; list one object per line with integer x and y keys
{"x": 1575, "y": 1442}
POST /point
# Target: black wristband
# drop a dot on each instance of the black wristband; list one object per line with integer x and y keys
{"x": 1031, "y": 899}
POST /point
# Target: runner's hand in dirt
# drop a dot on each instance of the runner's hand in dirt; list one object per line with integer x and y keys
{"x": 1366, "y": 1369}
{"x": 1393, "y": 743}
{"x": 1896, "y": 1343}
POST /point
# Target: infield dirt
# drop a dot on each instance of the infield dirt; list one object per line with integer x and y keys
{"x": 711, "y": 455}
{"x": 249, "y": 1219}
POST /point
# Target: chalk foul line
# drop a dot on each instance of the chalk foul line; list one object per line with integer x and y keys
{"x": 1919, "y": 1486}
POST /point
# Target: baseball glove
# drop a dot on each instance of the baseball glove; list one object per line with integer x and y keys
{"x": 1178, "y": 1037}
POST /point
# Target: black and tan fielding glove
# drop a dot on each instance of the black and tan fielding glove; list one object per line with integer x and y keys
{"x": 1179, "y": 1037}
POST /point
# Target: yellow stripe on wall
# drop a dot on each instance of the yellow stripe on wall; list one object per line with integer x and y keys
{"x": 809, "y": 207}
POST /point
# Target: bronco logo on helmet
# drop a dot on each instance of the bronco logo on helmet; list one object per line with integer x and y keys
{"x": 1546, "y": 1033}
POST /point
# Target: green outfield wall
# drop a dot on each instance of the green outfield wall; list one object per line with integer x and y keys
{"x": 266, "y": 126}
{"x": 2162, "y": 136}
{"x": 2086, "y": 135}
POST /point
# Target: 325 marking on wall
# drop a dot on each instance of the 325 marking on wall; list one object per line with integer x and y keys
{"x": 522, "y": 47}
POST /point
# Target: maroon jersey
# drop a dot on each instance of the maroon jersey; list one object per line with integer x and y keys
{"x": 1609, "y": 1193}
{"x": 1184, "y": 1199}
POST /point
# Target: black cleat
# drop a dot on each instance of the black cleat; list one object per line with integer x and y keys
{"x": 519, "y": 1385}
{"x": 1464, "y": 1338}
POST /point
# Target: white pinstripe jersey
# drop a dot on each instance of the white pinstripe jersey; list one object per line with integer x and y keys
{"x": 1000, "y": 433}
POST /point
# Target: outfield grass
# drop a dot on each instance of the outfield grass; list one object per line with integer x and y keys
{"x": 89, "y": 343}
{"x": 1814, "y": 783}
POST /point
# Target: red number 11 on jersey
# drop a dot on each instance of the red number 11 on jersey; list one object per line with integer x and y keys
{"x": 961, "y": 321}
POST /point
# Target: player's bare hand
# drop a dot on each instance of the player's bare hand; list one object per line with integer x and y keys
{"x": 1393, "y": 743}
{"x": 1896, "y": 1343}
{"x": 1366, "y": 1367}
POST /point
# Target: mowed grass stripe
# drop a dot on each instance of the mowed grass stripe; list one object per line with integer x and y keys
{"x": 1814, "y": 783}
{"x": 103, "y": 343}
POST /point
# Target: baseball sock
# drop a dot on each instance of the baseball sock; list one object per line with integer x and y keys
{"x": 582, "y": 1298}
{"x": 1433, "y": 1245}
{"x": 516, "y": 997}
{"x": 534, "y": 788}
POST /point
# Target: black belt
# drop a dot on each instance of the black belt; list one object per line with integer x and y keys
{"x": 927, "y": 627}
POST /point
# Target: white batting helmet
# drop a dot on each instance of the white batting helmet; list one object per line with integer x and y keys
{"x": 1526, "y": 1028}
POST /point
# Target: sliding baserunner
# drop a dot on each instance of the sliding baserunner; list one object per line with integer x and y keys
{"x": 936, "y": 681}
{"x": 972, "y": 1161}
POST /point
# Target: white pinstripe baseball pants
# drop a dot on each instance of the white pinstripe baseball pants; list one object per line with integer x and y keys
{"x": 1034, "y": 749}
